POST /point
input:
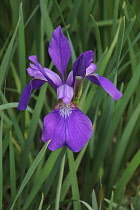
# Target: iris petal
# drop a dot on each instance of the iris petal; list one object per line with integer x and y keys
{"x": 82, "y": 63}
{"x": 34, "y": 59}
{"x": 70, "y": 79}
{"x": 65, "y": 92}
{"x": 35, "y": 72}
{"x": 72, "y": 131}
{"x": 59, "y": 50}
{"x": 91, "y": 68}
{"x": 26, "y": 94}
{"x": 106, "y": 85}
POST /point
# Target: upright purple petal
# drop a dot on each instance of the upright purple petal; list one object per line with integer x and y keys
{"x": 26, "y": 94}
{"x": 106, "y": 85}
{"x": 91, "y": 68}
{"x": 71, "y": 128}
{"x": 82, "y": 63}
{"x": 65, "y": 92}
{"x": 34, "y": 59}
{"x": 70, "y": 79}
{"x": 79, "y": 66}
{"x": 59, "y": 50}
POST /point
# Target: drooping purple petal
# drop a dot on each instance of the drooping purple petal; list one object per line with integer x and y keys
{"x": 35, "y": 72}
{"x": 72, "y": 130}
{"x": 34, "y": 59}
{"x": 91, "y": 68}
{"x": 106, "y": 85}
{"x": 26, "y": 94}
{"x": 65, "y": 92}
{"x": 59, "y": 50}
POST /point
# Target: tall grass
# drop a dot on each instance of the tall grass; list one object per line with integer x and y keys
{"x": 105, "y": 173}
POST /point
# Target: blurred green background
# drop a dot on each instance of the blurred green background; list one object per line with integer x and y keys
{"x": 105, "y": 174}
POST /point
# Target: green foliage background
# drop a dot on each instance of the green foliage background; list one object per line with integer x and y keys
{"x": 105, "y": 173}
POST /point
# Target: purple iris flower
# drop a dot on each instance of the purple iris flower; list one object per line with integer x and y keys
{"x": 66, "y": 125}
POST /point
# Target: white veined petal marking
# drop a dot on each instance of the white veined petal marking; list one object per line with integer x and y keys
{"x": 65, "y": 110}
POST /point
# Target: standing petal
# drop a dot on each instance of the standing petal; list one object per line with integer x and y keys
{"x": 70, "y": 79}
{"x": 65, "y": 92}
{"x": 59, "y": 50}
{"x": 82, "y": 63}
{"x": 26, "y": 94}
{"x": 91, "y": 68}
{"x": 106, "y": 85}
{"x": 73, "y": 129}
{"x": 84, "y": 59}
{"x": 79, "y": 66}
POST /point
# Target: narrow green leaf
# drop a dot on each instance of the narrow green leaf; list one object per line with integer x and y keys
{"x": 116, "y": 118}
{"x": 74, "y": 11}
{"x": 8, "y": 106}
{"x": 1, "y": 163}
{"x": 115, "y": 17}
{"x": 132, "y": 11}
{"x": 129, "y": 29}
{"x": 74, "y": 182}
{"x": 33, "y": 124}
{"x": 21, "y": 40}
{"x": 47, "y": 21}
{"x": 94, "y": 201}
{"x": 87, "y": 205}
{"x": 107, "y": 55}
{"x": 32, "y": 14}
{"x": 66, "y": 183}
{"x": 54, "y": 159}
{"x": 110, "y": 207}
{"x": 12, "y": 168}
{"x": 98, "y": 37}
{"x": 120, "y": 41}
{"x": 115, "y": 205}
{"x": 41, "y": 202}
{"x": 58, "y": 191}
{"x": 6, "y": 59}
{"x": 13, "y": 119}
{"x": 30, "y": 173}
{"x": 121, "y": 148}
{"x": 127, "y": 174}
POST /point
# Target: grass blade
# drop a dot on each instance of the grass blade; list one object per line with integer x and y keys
{"x": 47, "y": 21}
{"x": 54, "y": 159}
{"x": 94, "y": 201}
{"x": 135, "y": 162}
{"x": 74, "y": 183}
{"x": 6, "y": 59}
{"x": 57, "y": 200}
{"x": 1, "y": 164}
{"x": 30, "y": 173}
{"x": 22, "y": 60}
{"x": 12, "y": 169}
{"x": 123, "y": 144}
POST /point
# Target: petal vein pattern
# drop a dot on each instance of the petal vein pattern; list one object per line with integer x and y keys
{"x": 59, "y": 50}
{"x": 72, "y": 131}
